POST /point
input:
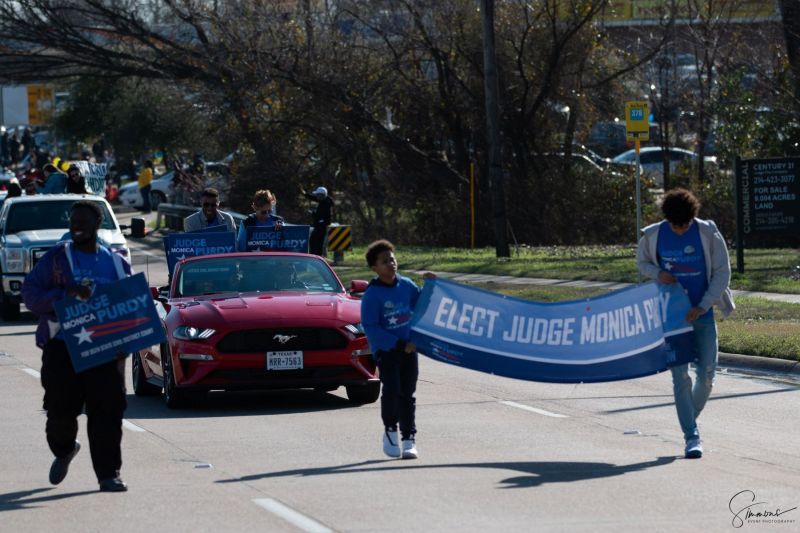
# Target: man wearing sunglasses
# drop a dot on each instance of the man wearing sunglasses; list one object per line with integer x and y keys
{"x": 262, "y": 217}
{"x": 209, "y": 214}
{"x": 76, "y": 184}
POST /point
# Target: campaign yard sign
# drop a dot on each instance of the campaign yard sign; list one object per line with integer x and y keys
{"x": 286, "y": 239}
{"x": 624, "y": 334}
{"x": 119, "y": 317}
{"x": 182, "y": 245}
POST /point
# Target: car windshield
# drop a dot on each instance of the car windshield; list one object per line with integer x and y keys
{"x": 27, "y": 216}
{"x": 255, "y": 273}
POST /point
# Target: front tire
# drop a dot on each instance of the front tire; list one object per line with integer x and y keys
{"x": 10, "y": 310}
{"x": 141, "y": 387}
{"x": 361, "y": 394}
{"x": 174, "y": 397}
{"x": 156, "y": 197}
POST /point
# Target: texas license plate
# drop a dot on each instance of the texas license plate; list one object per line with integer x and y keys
{"x": 284, "y": 360}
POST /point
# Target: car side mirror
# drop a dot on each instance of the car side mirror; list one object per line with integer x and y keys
{"x": 358, "y": 286}
{"x": 124, "y": 227}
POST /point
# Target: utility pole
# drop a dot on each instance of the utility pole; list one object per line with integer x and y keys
{"x": 491, "y": 89}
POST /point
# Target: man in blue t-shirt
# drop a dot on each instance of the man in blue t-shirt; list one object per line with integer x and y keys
{"x": 687, "y": 250}
{"x": 74, "y": 268}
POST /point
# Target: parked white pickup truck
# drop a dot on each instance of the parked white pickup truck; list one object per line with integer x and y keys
{"x": 31, "y": 225}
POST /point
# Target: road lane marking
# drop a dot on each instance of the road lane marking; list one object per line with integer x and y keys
{"x": 132, "y": 426}
{"x": 298, "y": 520}
{"x": 32, "y": 372}
{"x": 533, "y": 409}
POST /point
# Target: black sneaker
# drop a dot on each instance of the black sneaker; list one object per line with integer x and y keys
{"x": 60, "y": 466}
{"x": 113, "y": 484}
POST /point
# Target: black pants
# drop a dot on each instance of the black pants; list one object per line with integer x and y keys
{"x": 101, "y": 389}
{"x": 317, "y": 241}
{"x": 399, "y": 372}
{"x": 145, "y": 192}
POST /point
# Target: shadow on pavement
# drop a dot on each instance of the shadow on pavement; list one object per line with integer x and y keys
{"x": 255, "y": 403}
{"x": 713, "y": 398}
{"x": 14, "y": 501}
{"x": 536, "y": 473}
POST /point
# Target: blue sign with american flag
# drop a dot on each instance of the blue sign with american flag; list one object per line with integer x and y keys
{"x": 120, "y": 317}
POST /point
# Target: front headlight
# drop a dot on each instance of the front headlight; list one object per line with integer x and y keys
{"x": 191, "y": 333}
{"x": 355, "y": 329}
{"x": 14, "y": 259}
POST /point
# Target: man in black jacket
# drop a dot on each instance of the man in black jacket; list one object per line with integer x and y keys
{"x": 323, "y": 215}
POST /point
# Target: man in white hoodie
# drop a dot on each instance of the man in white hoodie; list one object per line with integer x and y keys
{"x": 687, "y": 250}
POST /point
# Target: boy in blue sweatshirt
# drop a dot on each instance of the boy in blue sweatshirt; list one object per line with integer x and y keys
{"x": 386, "y": 310}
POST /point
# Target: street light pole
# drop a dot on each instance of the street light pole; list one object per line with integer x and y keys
{"x": 490, "y": 85}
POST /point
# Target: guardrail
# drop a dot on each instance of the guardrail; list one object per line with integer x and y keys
{"x": 173, "y": 215}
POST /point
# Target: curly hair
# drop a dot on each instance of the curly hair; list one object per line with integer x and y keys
{"x": 680, "y": 206}
{"x": 377, "y": 248}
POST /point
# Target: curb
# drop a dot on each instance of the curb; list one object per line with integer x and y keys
{"x": 760, "y": 364}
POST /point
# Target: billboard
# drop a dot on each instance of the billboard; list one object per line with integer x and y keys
{"x": 41, "y": 99}
{"x": 768, "y": 201}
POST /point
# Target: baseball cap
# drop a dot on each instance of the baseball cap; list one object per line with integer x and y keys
{"x": 321, "y": 190}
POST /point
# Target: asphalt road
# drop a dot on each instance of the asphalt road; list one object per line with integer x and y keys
{"x": 495, "y": 455}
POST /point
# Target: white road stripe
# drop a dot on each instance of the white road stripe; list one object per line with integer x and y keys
{"x": 290, "y": 515}
{"x": 132, "y": 426}
{"x": 32, "y": 372}
{"x": 533, "y": 409}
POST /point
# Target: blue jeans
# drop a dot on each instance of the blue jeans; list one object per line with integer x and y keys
{"x": 690, "y": 400}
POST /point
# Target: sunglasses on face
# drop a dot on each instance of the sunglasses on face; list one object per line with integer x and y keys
{"x": 207, "y": 204}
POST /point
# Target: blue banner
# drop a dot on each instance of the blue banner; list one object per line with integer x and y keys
{"x": 620, "y": 335}
{"x": 120, "y": 317}
{"x": 182, "y": 245}
{"x": 286, "y": 239}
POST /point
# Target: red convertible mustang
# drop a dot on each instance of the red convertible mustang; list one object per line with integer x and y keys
{"x": 259, "y": 320}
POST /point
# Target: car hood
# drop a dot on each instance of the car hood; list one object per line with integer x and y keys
{"x": 321, "y": 309}
{"x": 48, "y": 237}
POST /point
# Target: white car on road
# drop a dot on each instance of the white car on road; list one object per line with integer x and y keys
{"x": 161, "y": 190}
{"x": 651, "y": 159}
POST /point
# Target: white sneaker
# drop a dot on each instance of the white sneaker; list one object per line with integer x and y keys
{"x": 390, "y": 446}
{"x": 409, "y": 449}
{"x": 694, "y": 449}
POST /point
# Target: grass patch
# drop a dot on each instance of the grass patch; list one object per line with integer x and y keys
{"x": 770, "y": 270}
{"x": 757, "y": 326}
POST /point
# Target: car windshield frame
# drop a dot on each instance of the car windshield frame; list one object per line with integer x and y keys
{"x": 254, "y": 273}
{"x": 50, "y": 214}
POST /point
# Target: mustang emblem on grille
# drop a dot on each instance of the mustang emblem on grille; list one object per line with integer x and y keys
{"x": 283, "y": 339}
